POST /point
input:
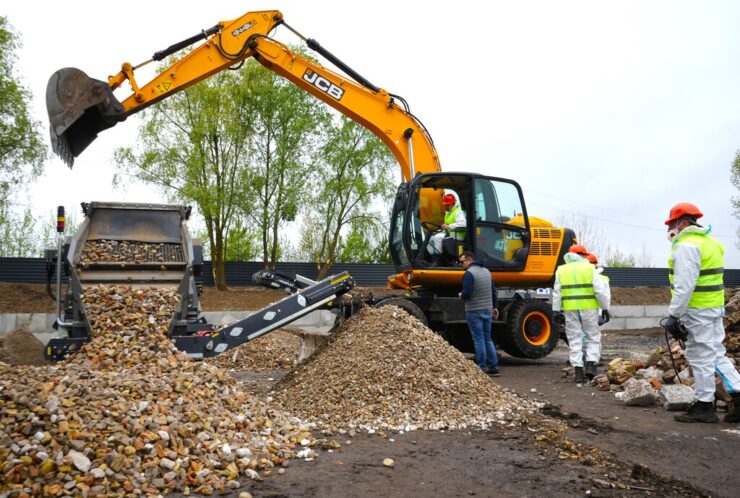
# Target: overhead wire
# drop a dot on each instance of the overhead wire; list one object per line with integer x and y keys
{"x": 615, "y": 222}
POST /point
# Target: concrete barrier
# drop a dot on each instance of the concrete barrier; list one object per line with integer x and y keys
{"x": 318, "y": 322}
{"x": 636, "y": 317}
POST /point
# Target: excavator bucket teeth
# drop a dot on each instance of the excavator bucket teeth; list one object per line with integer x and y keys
{"x": 79, "y": 108}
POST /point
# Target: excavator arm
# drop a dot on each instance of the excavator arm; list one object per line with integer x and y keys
{"x": 79, "y": 107}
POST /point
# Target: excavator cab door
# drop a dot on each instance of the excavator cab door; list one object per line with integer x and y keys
{"x": 502, "y": 236}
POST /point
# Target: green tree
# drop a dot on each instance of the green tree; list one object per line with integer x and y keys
{"x": 17, "y": 233}
{"x": 358, "y": 175}
{"x": 287, "y": 124}
{"x": 194, "y": 145}
{"x": 365, "y": 243}
{"x": 735, "y": 179}
{"x": 22, "y": 152}
{"x": 618, "y": 259}
{"x": 48, "y": 235}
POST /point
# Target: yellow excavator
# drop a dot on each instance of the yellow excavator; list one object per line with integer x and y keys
{"x": 521, "y": 252}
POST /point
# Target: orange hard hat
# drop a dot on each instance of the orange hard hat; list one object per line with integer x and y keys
{"x": 591, "y": 257}
{"x": 578, "y": 249}
{"x": 683, "y": 209}
{"x": 449, "y": 200}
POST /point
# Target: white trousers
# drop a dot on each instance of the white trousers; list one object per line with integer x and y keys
{"x": 582, "y": 331}
{"x": 435, "y": 242}
{"x": 706, "y": 353}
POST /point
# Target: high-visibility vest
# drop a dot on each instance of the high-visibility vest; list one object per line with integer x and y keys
{"x": 709, "y": 291}
{"x": 458, "y": 233}
{"x": 576, "y": 286}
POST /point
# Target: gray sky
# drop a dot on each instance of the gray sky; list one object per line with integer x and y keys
{"x": 612, "y": 110}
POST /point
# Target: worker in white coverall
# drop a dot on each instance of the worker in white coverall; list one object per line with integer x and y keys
{"x": 594, "y": 260}
{"x": 696, "y": 266}
{"x": 578, "y": 293}
{"x": 453, "y": 226}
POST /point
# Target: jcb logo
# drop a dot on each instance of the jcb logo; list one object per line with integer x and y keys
{"x": 323, "y": 84}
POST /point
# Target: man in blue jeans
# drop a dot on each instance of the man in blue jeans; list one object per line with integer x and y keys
{"x": 479, "y": 294}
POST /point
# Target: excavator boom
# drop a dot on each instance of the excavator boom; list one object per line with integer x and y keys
{"x": 80, "y": 107}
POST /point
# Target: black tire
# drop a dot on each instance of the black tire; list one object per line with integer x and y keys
{"x": 531, "y": 332}
{"x": 406, "y": 306}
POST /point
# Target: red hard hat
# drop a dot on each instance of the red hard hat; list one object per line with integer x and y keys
{"x": 449, "y": 200}
{"x": 578, "y": 249}
{"x": 591, "y": 257}
{"x": 682, "y": 209}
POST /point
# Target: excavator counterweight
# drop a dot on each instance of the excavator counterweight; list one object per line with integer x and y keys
{"x": 79, "y": 108}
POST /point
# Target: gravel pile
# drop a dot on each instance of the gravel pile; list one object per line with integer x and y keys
{"x": 275, "y": 351}
{"x": 131, "y": 415}
{"x": 124, "y": 251}
{"x": 383, "y": 369}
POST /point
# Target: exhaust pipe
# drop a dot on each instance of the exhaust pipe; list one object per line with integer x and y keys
{"x": 79, "y": 108}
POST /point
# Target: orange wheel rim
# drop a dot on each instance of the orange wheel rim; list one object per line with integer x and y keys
{"x": 536, "y": 327}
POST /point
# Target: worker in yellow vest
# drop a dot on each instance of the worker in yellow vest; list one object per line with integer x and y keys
{"x": 454, "y": 226}
{"x": 578, "y": 293}
{"x": 695, "y": 271}
{"x": 594, "y": 260}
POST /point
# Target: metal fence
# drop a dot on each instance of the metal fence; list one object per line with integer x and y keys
{"x": 239, "y": 273}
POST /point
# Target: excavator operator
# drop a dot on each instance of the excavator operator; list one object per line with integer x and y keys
{"x": 453, "y": 227}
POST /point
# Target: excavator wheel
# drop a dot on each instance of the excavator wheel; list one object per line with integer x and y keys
{"x": 407, "y": 306}
{"x": 79, "y": 108}
{"x": 531, "y": 333}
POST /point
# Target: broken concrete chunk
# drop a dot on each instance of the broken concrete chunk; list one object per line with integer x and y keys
{"x": 676, "y": 397}
{"x": 639, "y": 392}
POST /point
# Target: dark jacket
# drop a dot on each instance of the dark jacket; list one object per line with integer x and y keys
{"x": 479, "y": 291}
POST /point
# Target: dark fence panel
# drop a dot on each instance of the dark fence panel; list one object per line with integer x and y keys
{"x": 239, "y": 273}
{"x": 26, "y": 270}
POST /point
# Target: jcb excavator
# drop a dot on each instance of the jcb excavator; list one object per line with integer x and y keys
{"x": 521, "y": 252}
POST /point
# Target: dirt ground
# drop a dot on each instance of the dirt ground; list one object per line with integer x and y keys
{"x": 33, "y": 298}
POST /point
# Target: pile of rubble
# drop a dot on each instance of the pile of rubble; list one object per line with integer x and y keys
{"x": 131, "y": 415}
{"x": 123, "y": 251}
{"x": 732, "y": 323}
{"x": 665, "y": 376}
{"x": 383, "y": 369}
{"x": 275, "y": 351}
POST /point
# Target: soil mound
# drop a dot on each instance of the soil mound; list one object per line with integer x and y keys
{"x": 21, "y": 347}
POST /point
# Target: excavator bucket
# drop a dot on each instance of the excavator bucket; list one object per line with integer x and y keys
{"x": 79, "y": 108}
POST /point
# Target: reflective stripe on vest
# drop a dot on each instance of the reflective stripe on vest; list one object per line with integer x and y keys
{"x": 458, "y": 233}
{"x": 709, "y": 291}
{"x": 576, "y": 286}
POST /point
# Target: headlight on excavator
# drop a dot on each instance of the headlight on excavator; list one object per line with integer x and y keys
{"x": 409, "y": 276}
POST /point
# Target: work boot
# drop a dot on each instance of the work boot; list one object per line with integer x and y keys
{"x": 733, "y": 415}
{"x": 590, "y": 369}
{"x": 580, "y": 379}
{"x": 699, "y": 411}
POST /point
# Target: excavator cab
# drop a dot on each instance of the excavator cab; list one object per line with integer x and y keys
{"x": 497, "y": 224}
